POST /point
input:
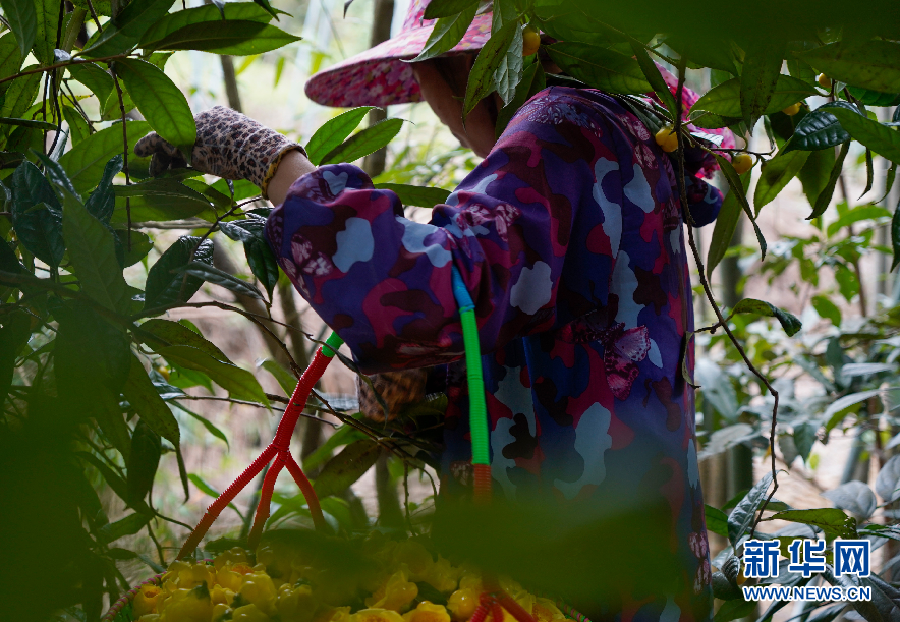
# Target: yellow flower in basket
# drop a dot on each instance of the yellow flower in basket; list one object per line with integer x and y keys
{"x": 145, "y": 600}
{"x": 334, "y": 614}
{"x": 376, "y": 615}
{"x": 249, "y": 613}
{"x": 395, "y": 593}
{"x": 296, "y": 604}
{"x": 463, "y": 601}
{"x": 192, "y": 605}
{"x": 443, "y": 576}
{"x": 545, "y": 610}
{"x": 416, "y": 557}
{"x": 427, "y": 612}
{"x": 230, "y": 557}
{"x": 258, "y": 589}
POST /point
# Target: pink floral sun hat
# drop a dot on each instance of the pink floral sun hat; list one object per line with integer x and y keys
{"x": 379, "y": 77}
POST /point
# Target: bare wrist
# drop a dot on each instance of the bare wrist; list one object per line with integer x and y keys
{"x": 292, "y": 166}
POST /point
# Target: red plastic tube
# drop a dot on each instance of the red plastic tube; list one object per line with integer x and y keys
{"x": 263, "y": 510}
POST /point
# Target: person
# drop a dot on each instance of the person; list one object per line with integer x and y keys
{"x": 569, "y": 237}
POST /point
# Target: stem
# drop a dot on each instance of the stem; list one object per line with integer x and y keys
{"x": 102, "y": 59}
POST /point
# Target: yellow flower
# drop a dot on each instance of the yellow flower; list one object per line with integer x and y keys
{"x": 249, "y": 613}
{"x": 334, "y": 614}
{"x": 219, "y": 611}
{"x": 427, "y": 612}
{"x": 230, "y": 578}
{"x": 443, "y": 576}
{"x": 376, "y": 615}
{"x": 544, "y": 610}
{"x": 296, "y": 604}
{"x": 525, "y": 600}
{"x": 150, "y": 617}
{"x": 470, "y": 581}
{"x": 230, "y": 557}
{"x": 192, "y": 605}
{"x": 395, "y": 593}
{"x": 221, "y": 595}
{"x": 259, "y": 590}
{"x": 416, "y": 557}
{"x": 145, "y": 599}
{"x": 463, "y": 601}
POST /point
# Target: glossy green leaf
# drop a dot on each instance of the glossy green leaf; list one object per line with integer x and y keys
{"x": 218, "y": 277}
{"x": 831, "y": 520}
{"x": 365, "y": 142}
{"x": 39, "y": 229}
{"x": 857, "y": 214}
{"x": 22, "y": 18}
{"x": 262, "y": 262}
{"x": 760, "y": 75}
{"x": 600, "y": 68}
{"x": 726, "y": 223}
{"x": 20, "y": 94}
{"x": 872, "y": 134}
{"x": 145, "y": 399}
{"x": 10, "y": 58}
{"x": 895, "y": 237}
{"x": 491, "y": 57}
{"x": 132, "y": 523}
{"x": 819, "y": 129}
{"x": 654, "y": 77}
{"x": 160, "y": 101}
{"x": 446, "y": 8}
{"x": 85, "y": 162}
{"x": 734, "y": 182}
{"x": 509, "y": 72}
{"x": 742, "y": 514}
{"x": 417, "y": 196}
{"x": 141, "y": 245}
{"x": 751, "y": 306}
{"x": 725, "y": 99}
{"x": 239, "y": 383}
{"x": 92, "y": 255}
{"x": 775, "y": 175}
{"x": 827, "y": 309}
{"x": 158, "y": 200}
{"x": 735, "y": 609}
{"x": 128, "y": 27}
{"x": 212, "y": 429}
{"x": 871, "y": 65}
{"x": 873, "y": 98}
{"x": 286, "y": 379}
{"x": 716, "y": 521}
{"x": 824, "y": 198}
{"x": 78, "y": 127}
{"x": 533, "y": 81}
{"x": 143, "y": 461}
{"x": 208, "y": 14}
{"x": 161, "y": 333}
{"x": 95, "y": 78}
{"x": 344, "y": 435}
{"x": 56, "y": 174}
{"x": 238, "y": 37}
{"x": 815, "y": 172}
{"x": 102, "y": 202}
{"x": 334, "y": 132}
{"x": 348, "y": 466}
{"x": 164, "y": 285}
{"x": 45, "y": 36}
{"x": 447, "y": 32}
{"x": 34, "y": 123}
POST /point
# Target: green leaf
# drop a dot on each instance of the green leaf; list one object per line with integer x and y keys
{"x": 726, "y": 223}
{"x": 95, "y": 78}
{"x": 344, "y": 435}
{"x": 132, "y": 523}
{"x": 14, "y": 334}
{"x": 775, "y": 175}
{"x": 872, "y": 134}
{"x": 22, "y": 18}
{"x": 145, "y": 399}
{"x": 218, "y": 277}
{"x": 819, "y": 129}
{"x": 789, "y": 323}
{"x": 831, "y": 520}
{"x": 20, "y": 94}
{"x": 488, "y": 64}
{"x": 262, "y": 262}
{"x": 39, "y": 229}
{"x": 333, "y": 133}
{"x": 716, "y": 521}
{"x": 208, "y": 14}
{"x": 78, "y": 127}
{"x": 128, "y": 27}
{"x": 158, "y": 200}
{"x": 815, "y": 173}
{"x": 508, "y": 74}
{"x": 871, "y": 65}
{"x": 446, "y": 8}
{"x": 238, "y": 37}
{"x": 895, "y": 237}
{"x": 600, "y": 68}
{"x": 447, "y": 32}
{"x": 654, "y": 77}
{"x": 212, "y": 429}
{"x": 160, "y": 101}
{"x": 827, "y": 309}
{"x": 861, "y": 212}
{"x": 92, "y": 254}
{"x": 734, "y": 610}
{"x": 742, "y": 514}
{"x": 55, "y": 173}
{"x": 85, "y": 162}
{"x": 45, "y": 36}
{"x": 760, "y": 75}
{"x": 737, "y": 188}
{"x": 102, "y": 202}
{"x": 874, "y": 98}
{"x": 348, "y": 466}
{"x": 285, "y": 379}
{"x": 206, "y": 489}
{"x": 146, "y": 449}
{"x": 417, "y": 196}
{"x": 533, "y": 81}
{"x": 363, "y": 143}
{"x": 824, "y": 198}
{"x": 10, "y": 58}
{"x": 161, "y": 333}
{"x": 239, "y": 383}
{"x": 164, "y": 285}
{"x": 725, "y": 99}
{"x": 40, "y": 125}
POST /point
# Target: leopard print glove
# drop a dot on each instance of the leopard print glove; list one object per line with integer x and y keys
{"x": 398, "y": 389}
{"x": 229, "y": 144}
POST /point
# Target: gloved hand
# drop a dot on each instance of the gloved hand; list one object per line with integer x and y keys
{"x": 229, "y": 144}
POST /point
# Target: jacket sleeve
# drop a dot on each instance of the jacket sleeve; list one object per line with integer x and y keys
{"x": 383, "y": 281}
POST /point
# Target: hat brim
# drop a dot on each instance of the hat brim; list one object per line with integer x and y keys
{"x": 379, "y": 76}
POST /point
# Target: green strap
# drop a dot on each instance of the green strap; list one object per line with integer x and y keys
{"x": 332, "y": 344}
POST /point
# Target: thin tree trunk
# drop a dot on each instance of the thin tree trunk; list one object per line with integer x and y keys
{"x": 381, "y": 31}
{"x": 230, "y": 79}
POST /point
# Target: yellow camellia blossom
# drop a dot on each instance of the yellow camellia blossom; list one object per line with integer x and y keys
{"x": 221, "y": 595}
{"x": 544, "y": 610}
{"x": 296, "y": 604}
{"x": 416, "y": 557}
{"x": 427, "y": 612}
{"x": 230, "y": 578}
{"x": 258, "y": 589}
{"x": 463, "y": 601}
{"x": 219, "y": 611}
{"x": 236, "y": 555}
{"x": 145, "y": 600}
{"x": 395, "y": 593}
{"x": 376, "y": 615}
{"x": 249, "y": 613}
{"x": 192, "y": 605}
{"x": 443, "y": 576}
{"x": 335, "y": 614}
